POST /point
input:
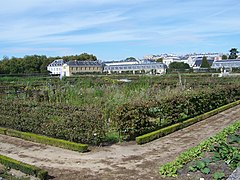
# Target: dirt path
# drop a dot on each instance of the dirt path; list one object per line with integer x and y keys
{"x": 119, "y": 161}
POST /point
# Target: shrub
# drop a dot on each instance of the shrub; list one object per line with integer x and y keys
{"x": 137, "y": 118}
{"x": 47, "y": 140}
{"x": 23, "y": 167}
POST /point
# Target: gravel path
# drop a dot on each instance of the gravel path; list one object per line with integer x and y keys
{"x": 119, "y": 161}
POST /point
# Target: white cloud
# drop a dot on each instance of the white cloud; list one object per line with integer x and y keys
{"x": 77, "y": 22}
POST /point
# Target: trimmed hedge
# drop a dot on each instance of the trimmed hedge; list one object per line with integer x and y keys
{"x": 85, "y": 124}
{"x": 23, "y": 167}
{"x": 143, "y": 116}
{"x": 170, "y": 169}
{"x": 170, "y": 129}
{"x": 45, "y": 140}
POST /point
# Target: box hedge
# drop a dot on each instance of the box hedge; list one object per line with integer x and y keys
{"x": 23, "y": 167}
{"x": 170, "y": 129}
{"x": 45, "y": 140}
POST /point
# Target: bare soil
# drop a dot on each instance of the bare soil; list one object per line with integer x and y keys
{"x": 119, "y": 161}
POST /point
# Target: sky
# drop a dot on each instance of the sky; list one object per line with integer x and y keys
{"x": 117, "y": 29}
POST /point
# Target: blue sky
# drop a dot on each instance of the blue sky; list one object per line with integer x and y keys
{"x": 116, "y": 29}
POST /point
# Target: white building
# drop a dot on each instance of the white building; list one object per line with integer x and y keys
{"x": 134, "y": 67}
{"x": 226, "y": 64}
{"x": 56, "y": 66}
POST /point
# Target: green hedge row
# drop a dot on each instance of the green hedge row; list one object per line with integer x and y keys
{"x": 170, "y": 129}
{"x": 45, "y": 140}
{"x": 170, "y": 169}
{"x": 23, "y": 167}
{"x": 140, "y": 117}
{"x": 76, "y": 124}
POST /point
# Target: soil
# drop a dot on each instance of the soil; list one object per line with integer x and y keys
{"x": 119, "y": 161}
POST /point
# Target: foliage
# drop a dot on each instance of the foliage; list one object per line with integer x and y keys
{"x": 179, "y": 65}
{"x": 45, "y": 140}
{"x": 35, "y": 63}
{"x": 233, "y": 53}
{"x": 234, "y": 139}
{"x": 201, "y": 165}
{"x": 23, "y": 167}
{"x": 63, "y": 122}
{"x": 137, "y": 118}
{"x": 170, "y": 129}
{"x": 130, "y": 59}
{"x": 62, "y": 109}
{"x": 170, "y": 169}
{"x": 159, "y": 60}
{"x": 218, "y": 175}
{"x": 81, "y": 57}
{"x": 224, "y": 57}
{"x": 205, "y": 63}
{"x": 227, "y": 153}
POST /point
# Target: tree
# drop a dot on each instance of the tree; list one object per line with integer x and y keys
{"x": 130, "y": 59}
{"x": 205, "y": 63}
{"x": 233, "y": 53}
{"x": 35, "y": 63}
{"x": 159, "y": 60}
{"x": 224, "y": 57}
{"x": 179, "y": 65}
{"x": 81, "y": 57}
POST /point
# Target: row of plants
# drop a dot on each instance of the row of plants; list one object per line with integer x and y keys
{"x": 60, "y": 121}
{"x": 95, "y": 109}
{"x": 23, "y": 167}
{"x": 170, "y": 129}
{"x": 137, "y": 118}
{"x": 45, "y": 140}
{"x": 220, "y": 151}
{"x": 92, "y": 123}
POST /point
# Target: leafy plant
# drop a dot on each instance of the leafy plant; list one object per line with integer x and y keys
{"x": 200, "y": 165}
{"x": 197, "y": 151}
{"x": 218, "y": 175}
{"x": 227, "y": 153}
{"x": 234, "y": 139}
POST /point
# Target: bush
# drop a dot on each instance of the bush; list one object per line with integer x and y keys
{"x": 137, "y": 118}
{"x": 170, "y": 129}
{"x": 77, "y": 124}
{"x": 47, "y": 140}
{"x": 23, "y": 167}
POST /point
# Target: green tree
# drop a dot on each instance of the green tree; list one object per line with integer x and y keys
{"x": 81, "y": 57}
{"x": 179, "y": 65}
{"x": 224, "y": 57}
{"x": 233, "y": 53}
{"x": 205, "y": 63}
{"x": 36, "y": 63}
{"x": 159, "y": 60}
{"x": 130, "y": 59}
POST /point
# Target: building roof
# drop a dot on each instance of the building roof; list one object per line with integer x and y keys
{"x": 226, "y": 63}
{"x": 198, "y": 62}
{"x": 83, "y": 63}
{"x": 57, "y": 62}
{"x": 129, "y": 67}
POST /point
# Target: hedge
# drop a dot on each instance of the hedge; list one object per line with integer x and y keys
{"x": 170, "y": 129}
{"x": 143, "y": 116}
{"x": 170, "y": 169}
{"x": 45, "y": 140}
{"x": 72, "y": 123}
{"x": 23, "y": 167}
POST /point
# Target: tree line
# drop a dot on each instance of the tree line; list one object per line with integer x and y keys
{"x": 36, "y": 63}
